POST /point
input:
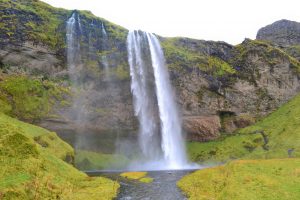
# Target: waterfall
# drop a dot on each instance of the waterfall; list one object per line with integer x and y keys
{"x": 107, "y": 75}
{"x": 172, "y": 139}
{"x": 103, "y": 31}
{"x": 144, "y": 102}
{"x": 73, "y": 47}
{"x": 140, "y": 45}
{"x": 74, "y": 63}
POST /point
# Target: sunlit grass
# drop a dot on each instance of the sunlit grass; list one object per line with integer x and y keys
{"x": 272, "y": 179}
{"x": 33, "y": 167}
{"x": 140, "y": 176}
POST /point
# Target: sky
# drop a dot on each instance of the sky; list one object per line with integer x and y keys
{"x": 220, "y": 20}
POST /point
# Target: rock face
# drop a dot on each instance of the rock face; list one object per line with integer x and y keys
{"x": 283, "y": 32}
{"x": 33, "y": 59}
{"x": 216, "y": 84}
{"x": 202, "y": 128}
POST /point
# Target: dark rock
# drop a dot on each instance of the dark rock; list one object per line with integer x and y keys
{"x": 283, "y": 32}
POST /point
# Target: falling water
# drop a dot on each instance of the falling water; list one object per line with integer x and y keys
{"x": 171, "y": 140}
{"x": 104, "y": 58}
{"x": 74, "y": 62}
{"x": 144, "y": 102}
{"x": 73, "y": 47}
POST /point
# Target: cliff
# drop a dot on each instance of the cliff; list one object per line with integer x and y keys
{"x": 220, "y": 87}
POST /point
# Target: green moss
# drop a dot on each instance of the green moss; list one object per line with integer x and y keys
{"x": 182, "y": 57}
{"x": 87, "y": 160}
{"x": 32, "y": 170}
{"x": 27, "y": 98}
{"x": 140, "y": 176}
{"x": 268, "y": 53}
{"x": 248, "y": 179}
{"x": 219, "y": 67}
{"x": 113, "y": 30}
{"x": 146, "y": 180}
{"x": 134, "y": 175}
{"x": 122, "y": 73}
{"x": 38, "y": 21}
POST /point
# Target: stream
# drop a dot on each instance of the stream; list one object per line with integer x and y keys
{"x": 163, "y": 186}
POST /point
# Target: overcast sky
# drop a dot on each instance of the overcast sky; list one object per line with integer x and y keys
{"x": 219, "y": 20}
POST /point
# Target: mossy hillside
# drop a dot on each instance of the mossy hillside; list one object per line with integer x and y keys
{"x": 29, "y": 98}
{"x": 266, "y": 53}
{"x": 32, "y": 170}
{"x": 87, "y": 160}
{"x": 33, "y": 21}
{"x": 276, "y": 136}
{"x": 38, "y": 23}
{"x": 293, "y": 51}
{"x": 42, "y": 23}
{"x": 183, "y": 57}
{"x": 274, "y": 179}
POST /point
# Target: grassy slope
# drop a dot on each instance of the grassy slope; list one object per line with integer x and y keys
{"x": 271, "y": 176}
{"x": 282, "y": 129}
{"x": 32, "y": 166}
{"x": 272, "y": 179}
{"x": 29, "y": 98}
{"x": 87, "y": 160}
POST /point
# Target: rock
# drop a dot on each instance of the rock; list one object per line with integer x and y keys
{"x": 33, "y": 59}
{"x": 283, "y": 32}
{"x": 230, "y": 124}
{"x": 202, "y": 128}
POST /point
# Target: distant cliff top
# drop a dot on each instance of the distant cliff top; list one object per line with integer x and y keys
{"x": 282, "y": 32}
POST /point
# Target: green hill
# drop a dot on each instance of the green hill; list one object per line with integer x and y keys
{"x": 33, "y": 164}
{"x": 272, "y": 179}
{"x": 272, "y": 175}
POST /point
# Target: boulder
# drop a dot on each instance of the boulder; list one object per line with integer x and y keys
{"x": 202, "y": 128}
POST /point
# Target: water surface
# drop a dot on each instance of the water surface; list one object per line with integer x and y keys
{"x": 163, "y": 186}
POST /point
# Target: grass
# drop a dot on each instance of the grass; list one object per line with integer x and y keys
{"x": 33, "y": 166}
{"x": 273, "y": 179}
{"x": 183, "y": 57}
{"x": 87, "y": 160}
{"x": 140, "y": 176}
{"x": 29, "y": 98}
{"x": 282, "y": 132}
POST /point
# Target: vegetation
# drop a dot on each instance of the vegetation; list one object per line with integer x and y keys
{"x": 183, "y": 57}
{"x": 32, "y": 162}
{"x": 140, "y": 176}
{"x": 272, "y": 179}
{"x": 264, "y": 50}
{"x": 28, "y": 98}
{"x": 276, "y": 136}
{"x": 38, "y": 21}
{"x": 87, "y": 160}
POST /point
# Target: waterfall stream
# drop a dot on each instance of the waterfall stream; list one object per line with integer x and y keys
{"x": 165, "y": 148}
